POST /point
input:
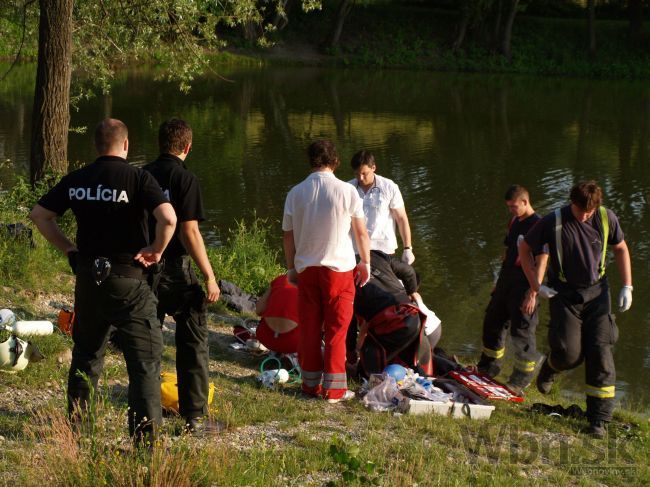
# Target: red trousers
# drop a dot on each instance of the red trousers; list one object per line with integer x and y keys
{"x": 325, "y": 308}
{"x": 278, "y": 342}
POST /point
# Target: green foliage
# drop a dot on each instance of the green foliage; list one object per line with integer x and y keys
{"x": 353, "y": 470}
{"x": 247, "y": 258}
{"x": 26, "y": 264}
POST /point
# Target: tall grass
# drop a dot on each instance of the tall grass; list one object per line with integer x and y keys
{"x": 69, "y": 458}
{"x": 247, "y": 258}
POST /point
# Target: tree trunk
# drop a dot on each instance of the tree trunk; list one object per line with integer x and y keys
{"x": 281, "y": 21}
{"x": 462, "y": 26}
{"x": 496, "y": 34}
{"x": 506, "y": 40}
{"x": 250, "y": 30}
{"x": 635, "y": 9}
{"x": 51, "y": 112}
{"x": 591, "y": 22}
{"x": 344, "y": 9}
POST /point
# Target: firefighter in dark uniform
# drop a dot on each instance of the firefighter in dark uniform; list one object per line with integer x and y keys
{"x": 509, "y": 305}
{"x": 582, "y": 326}
{"x": 110, "y": 200}
{"x": 178, "y": 290}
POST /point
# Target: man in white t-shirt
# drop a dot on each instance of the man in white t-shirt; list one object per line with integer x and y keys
{"x": 383, "y": 207}
{"x": 319, "y": 214}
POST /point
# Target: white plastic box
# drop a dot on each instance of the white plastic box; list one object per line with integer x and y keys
{"x": 473, "y": 411}
{"x": 422, "y": 406}
{"x": 468, "y": 404}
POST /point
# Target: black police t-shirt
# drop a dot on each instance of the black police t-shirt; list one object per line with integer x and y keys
{"x": 181, "y": 187}
{"x": 582, "y": 245}
{"x": 110, "y": 200}
{"x": 515, "y": 229}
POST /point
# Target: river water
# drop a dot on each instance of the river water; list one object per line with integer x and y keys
{"x": 453, "y": 143}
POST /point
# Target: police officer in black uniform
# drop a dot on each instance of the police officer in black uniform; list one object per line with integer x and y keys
{"x": 179, "y": 292}
{"x": 582, "y": 326}
{"x": 510, "y": 295}
{"x": 110, "y": 200}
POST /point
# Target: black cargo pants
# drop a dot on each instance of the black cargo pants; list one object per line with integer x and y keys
{"x": 582, "y": 327}
{"x": 128, "y": 304}
{"x": 181, "y": 296}
{"x": 503, "y": 312}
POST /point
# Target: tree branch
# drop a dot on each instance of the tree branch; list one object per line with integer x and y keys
{"x": 22, "y": 40}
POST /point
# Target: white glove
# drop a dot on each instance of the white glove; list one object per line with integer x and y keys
{"x": 362, "y": 274}
{"x": 292, "y": 276}
{"x": 625, "y": 298}
{"x": 546, "y": 292}
{"x": 407, "y": 256}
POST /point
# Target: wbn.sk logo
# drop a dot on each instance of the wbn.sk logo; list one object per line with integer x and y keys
{"x": 581, "y": 455}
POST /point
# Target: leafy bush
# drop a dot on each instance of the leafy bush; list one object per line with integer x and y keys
{"x": 26, "y": 263}
{"x": 247, "y": 258}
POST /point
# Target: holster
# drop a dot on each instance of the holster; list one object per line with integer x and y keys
{"x": 101, "y": 269}
{"x": 154, "y": 273}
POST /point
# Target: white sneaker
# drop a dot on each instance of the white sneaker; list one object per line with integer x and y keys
{"x": 346, "y": 397}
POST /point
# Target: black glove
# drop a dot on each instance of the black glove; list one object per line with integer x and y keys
{"x": 72, "y": 260}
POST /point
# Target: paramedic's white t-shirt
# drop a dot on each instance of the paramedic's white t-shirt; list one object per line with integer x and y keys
{"x": 319, "y": 210}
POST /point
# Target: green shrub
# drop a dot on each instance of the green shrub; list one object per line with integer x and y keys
{"x": 247, "y": 259}
{"x": 24, "y": 263}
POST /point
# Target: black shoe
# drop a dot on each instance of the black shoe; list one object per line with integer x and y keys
{"x": 519, "y": 381}
{"x": 488, "y": 366}
{"x": 203, "y": 426}
{"x": 545, "y": 378}
{"x": 597, "y": 429}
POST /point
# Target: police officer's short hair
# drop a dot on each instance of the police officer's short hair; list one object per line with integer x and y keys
{"x": 322, "y": 153}
{"x": 173, "y": 136}
{"x": 362, "y": 158}
{"x": 586, "y": 195}
{"x": 517, "y": 192}
{"x": 109, "y": 133}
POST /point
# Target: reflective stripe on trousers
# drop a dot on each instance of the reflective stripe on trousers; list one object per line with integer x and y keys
{"x": 605, "y": 392}
{"x": 497, "y": 354}
{"x": 335, "y": 381}
{"x": 312, "y": 379}
{"x": 525, "y": 365}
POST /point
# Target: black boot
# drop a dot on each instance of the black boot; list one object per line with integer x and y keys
{"x": 488, "y": 366}
{"x": 519, "y": 381}
{"x": 203, "y": 426}
{"x": 597, "y": 429}
{"x": 545, "y": 378}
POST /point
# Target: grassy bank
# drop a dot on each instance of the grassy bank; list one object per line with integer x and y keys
{"x": 271, "y": 437}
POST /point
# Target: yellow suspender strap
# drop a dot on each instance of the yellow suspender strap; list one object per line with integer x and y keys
{"x": 602, "y": 211}
{"x": 605, "y": 221}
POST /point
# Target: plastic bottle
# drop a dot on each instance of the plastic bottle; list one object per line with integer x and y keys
{"x": 33, "y": 327}
{"x": 425, "y": 383}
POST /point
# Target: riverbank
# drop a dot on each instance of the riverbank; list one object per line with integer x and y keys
{"x": 271, "y": 437}
{"x": 274, "y": 437}
{"x": 418, "y": 36}
{"x": 415, "y": 36}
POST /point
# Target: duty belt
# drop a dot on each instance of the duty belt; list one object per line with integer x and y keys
{"x": 180, "y": 261}
{"x": 115, "y": 267}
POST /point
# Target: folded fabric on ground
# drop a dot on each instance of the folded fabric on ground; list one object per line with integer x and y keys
{"x": 573, "y": 411}
{"x": 236, "y": 299}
